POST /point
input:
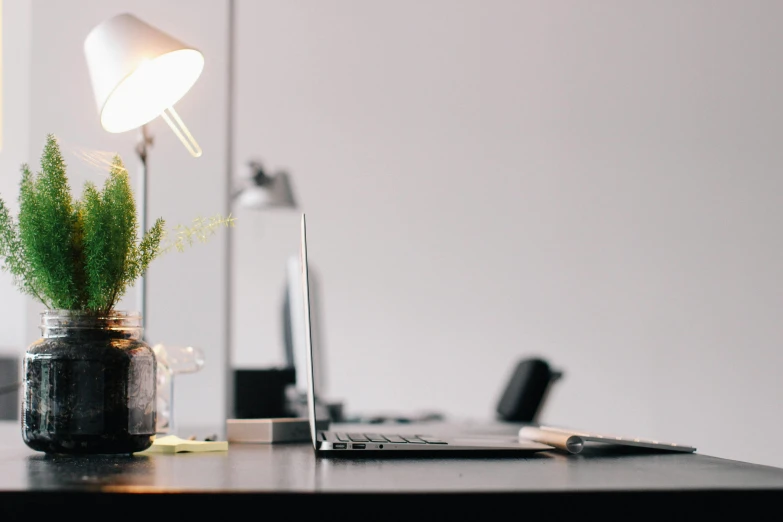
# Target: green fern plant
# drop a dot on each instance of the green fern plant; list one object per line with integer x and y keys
{"x": 83, "y": 254}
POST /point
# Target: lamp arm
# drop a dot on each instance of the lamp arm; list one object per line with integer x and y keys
{"x": 142, "y": 149}
{"x": 144, "y": 143}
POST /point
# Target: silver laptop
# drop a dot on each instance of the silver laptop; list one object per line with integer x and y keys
{"x": 333, "y": 442}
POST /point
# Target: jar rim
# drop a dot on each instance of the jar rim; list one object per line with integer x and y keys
{"x": 62, "y": 323}
{"x": 113, "y": 314}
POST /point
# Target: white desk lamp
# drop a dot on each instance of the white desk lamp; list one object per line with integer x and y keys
{"x": 264, "y": 191}
{"x": 138, "y": 73}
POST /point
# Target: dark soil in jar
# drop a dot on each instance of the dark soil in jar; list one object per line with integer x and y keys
{"x": 89, "y": 392}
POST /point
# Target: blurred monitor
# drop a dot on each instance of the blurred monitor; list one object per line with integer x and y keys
{"x": 294, "y": 326}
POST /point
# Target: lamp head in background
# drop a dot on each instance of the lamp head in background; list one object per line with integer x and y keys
{"x": 138, "y": 73}
{"x": 266, "y": 191}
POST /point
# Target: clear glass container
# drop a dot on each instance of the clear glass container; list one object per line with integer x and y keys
{"x": 89, "y": 385}
{"x": 172, "y": 360}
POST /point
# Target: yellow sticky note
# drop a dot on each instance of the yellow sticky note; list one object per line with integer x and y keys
{"x": 174, "y": 444}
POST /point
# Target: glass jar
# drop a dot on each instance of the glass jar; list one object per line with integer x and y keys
{"x": 89, "y": 385}
{"x": 172, "y": 360}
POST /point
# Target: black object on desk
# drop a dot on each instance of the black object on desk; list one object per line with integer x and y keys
{"x": 262, "y": 393}
{"x": 523, "y": 397}
{"x": 9, "y": 387}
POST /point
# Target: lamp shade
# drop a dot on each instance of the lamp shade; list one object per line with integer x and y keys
{"x": 276, "y": 192}
{"x": 137, "y": 71}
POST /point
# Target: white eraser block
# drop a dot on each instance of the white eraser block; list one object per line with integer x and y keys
{"x": 284, "y": 429}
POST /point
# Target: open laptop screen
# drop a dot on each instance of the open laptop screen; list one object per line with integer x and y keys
{"x": 309, "y": 355}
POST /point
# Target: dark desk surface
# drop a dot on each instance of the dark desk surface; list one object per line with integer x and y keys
{"x": 264, "y": 476}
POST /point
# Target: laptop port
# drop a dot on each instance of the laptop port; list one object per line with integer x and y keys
{"x": 358, "y": 446}
{"x": 340, "y": 445}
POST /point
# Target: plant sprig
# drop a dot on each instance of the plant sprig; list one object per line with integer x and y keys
{"x": 84, "y": 254}
{"x": 201, "y": 230}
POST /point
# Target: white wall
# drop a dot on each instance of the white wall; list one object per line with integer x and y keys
{"x": 597, "y": 183}
{"x": 16, "y": 133}
{"x": 185, "y": 290}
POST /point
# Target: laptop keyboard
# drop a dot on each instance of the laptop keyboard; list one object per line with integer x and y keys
{"x": 397, "y": 439}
